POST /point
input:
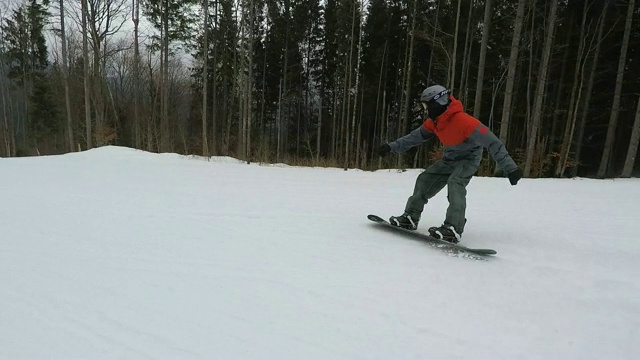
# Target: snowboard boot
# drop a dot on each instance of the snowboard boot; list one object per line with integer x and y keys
{"x": 404, "y": 221}
{"x": 446, "y": 233}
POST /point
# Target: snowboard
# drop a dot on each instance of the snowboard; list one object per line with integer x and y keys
{"x": 431, "y": 239}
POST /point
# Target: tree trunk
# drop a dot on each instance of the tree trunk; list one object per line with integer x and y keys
{"x": 95, "y": 15}
{"x": 65, "y": 77}
{"x": 283, "y": 95}
{"x": 347, "y": 89}
{"x": 5, "y": 128}
{"x": 531, "y": 59}
{"x": 483, "y": 56}
{"x": 263, "y": 92}
{"x": 587, "y": 99}
{"x": 406, "y": 81}
{"x": 242, "y": 108}
{"x": 452, "y": 78}
{"x": 279, "y": 122}
{"x": 319, "y": 135}
{"x": 357, "y": 83}
{"x": 249, "y": 87}
{"x": 85, "y": 62}
{"x": 343, "y": 106}
{"x": 242, "y": 83}
{"x": 205, "y": 76}
{"x": 164, "y": 128}
{"x": 561, "y": 98}
{"x": 540, "y": 88}
{"x": 633, "y": 145}
{"x": 136, "y": 73}
{"x": 465, "y": 56}
{"x": 334, "y": 120}
{"x": 214, "y": 86}
{"x": 151, "y": 116}
{"x": 5, "y": 123}
{"x": 380, "y": 103}
{"x": 6, "y": 133}
{"x": 435, "y": 29}
{"x": 511, "y": 72}
{"x": 576, "y": 94}
{"x": 615, "y": 108}
{"x": 384, "y": 123}
{"x": 230, "y": 97}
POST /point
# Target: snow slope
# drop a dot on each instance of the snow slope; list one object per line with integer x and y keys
{"x": 116, "y": 253}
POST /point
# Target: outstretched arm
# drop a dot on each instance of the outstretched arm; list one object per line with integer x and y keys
{"x": 485, "y": 137}
{"x": 414, "y": 138}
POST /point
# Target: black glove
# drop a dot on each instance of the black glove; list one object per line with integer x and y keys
{"x": 514, "y": 176}
{"x": 383, "y": 149}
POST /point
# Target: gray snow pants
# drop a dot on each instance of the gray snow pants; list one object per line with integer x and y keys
{"x": 456, "y": 176}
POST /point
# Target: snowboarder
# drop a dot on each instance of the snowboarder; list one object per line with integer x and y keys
{"x": 463, "y": 138}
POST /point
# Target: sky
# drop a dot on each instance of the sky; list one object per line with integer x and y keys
{"x": 72, "y": 11}
{"x": 115, "y": 253}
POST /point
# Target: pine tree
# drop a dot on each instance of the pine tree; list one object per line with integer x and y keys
{"x": 27, "y": 62}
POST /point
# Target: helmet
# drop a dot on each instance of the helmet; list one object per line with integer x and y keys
{"x": 435, "y": 93}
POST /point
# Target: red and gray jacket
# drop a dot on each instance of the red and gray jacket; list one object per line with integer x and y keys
{"x": 462, "y": 135}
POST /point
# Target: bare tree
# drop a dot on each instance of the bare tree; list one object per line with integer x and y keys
{"x": 587, "y": 98}
{"x": 576, "y": 93}
{"x": 511, "y": 72}
{"x": 214, "y": 93}
{"x": 283, "y": 90}
{"x": 483, "y": 56}
{"x": 65, "y": 76}
{"x": 464, "y": 74}
{"x": 560, "y": 99}
{"x": 242, "y": 80}
{"x": 452, "y": 75}
{"x": 246, "y": 79}
{"x": 7, "y": 135}
{"x": 540, "y": 87}
{"x": 348, "y": 93}
{"x": 164, "y": 81}
{"x": 205, "y": 76}
{"x": 105, "y": 19}
{"x": 135, "y": 17}
{"x": 357, "y": 81}
{"x": 85, "y": 66}
{"x": 406, "y": 81}
{"x": 5, "y": 123}
{"x": 531, "y": 60}
{"x": 615, "y": 108}
{"x": 380, "y": 98}
{"x": 435, "y": 31}
{"x": 633, "y": 145}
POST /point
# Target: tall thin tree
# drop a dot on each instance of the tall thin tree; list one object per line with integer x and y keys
{"x": 540, "y": 87}
{"x": 632, "y": 151}
{"x": 205, "y": 75}
{"x": 587, "y": 98}
{"x": 511, "y": 72}
{"x": 452, "y": 76}
{"x": 576, "y": 94}
{"x": 615, "y": 107}
{"x": 406, "y": 82}
{"x": 85, "y": 67}
{"x": 486, "y": 28}
{"x": 7, "y": 134}
{"x": 65, "y": 76}
{"x": 136, "y": 72}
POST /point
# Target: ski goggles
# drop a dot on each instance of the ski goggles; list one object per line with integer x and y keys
{"x": 434, "y": 99}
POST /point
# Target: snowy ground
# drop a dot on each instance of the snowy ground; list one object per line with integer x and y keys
{"x": 121, "y": 254}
